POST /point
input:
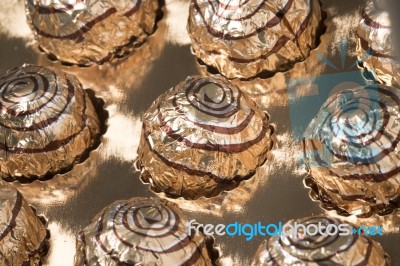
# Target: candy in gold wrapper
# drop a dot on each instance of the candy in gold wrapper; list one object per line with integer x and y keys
{"x": 87, "y": 32}
{"x": 202, "y": 137}
{"x": 376, "y": 51}
{"x": 351, "y": 151}
{"x": 244, "y": 38}
{"x": 47, "y": 123}
{"x": 142, "y": 231}
{"x": 327, "y": 249}
{"x": 23, "y": 235}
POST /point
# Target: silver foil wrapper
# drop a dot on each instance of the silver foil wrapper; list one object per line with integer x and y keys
{"x": 376, "y": 51}
{"x": 244, "y": 38}
{"x": 202, "y": 137}
{"x": 23, "y": 235}
{"x": 47, "y": 123}
{"x": 351, "y": 151}
{"x": 334, "y": 249}
{"x": 142, "y": 231}
{"x": 87, "y": 32}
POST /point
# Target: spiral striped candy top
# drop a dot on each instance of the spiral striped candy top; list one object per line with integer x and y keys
{"x": 140, "y": 230}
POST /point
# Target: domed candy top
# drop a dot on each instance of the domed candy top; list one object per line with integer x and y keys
{"x": 242, "y": 38}
{"x": 47, "y": 122}
{"x": 205, "y": 128}
{"x": 146, "y": 230}
{"x": 87, "y": 32}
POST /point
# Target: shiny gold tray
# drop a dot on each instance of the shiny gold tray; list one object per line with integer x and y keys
{"x": 128, "y": 86}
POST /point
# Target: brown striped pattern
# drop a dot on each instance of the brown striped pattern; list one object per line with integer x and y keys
{"x": 72, "y": 33}
{"x": 33, "y": 99}
{"x": 145, "y": 230}
{"x": 218, "y": 16}
{"x": 319, "y": 249}
{"x": 358, "y": 127}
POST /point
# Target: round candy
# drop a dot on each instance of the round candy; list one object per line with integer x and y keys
{"x": 146, "y": 231}
{"x": 198, "y": 137}
{"x": 86, "y": 32}
{"x": 23, "y": 235}
{"x": 47, "y": 122}
{"x": 376, "y": 50}
{"x": 350, "y": 150}
{"x": 243, "y": 38}
{"x": 327, "y": 249}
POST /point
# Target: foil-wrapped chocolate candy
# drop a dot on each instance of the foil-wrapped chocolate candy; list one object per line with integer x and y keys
{"x": 87, "y": 32}
{"x": 145, "y": 231}
{"x": 202, "y": 137}
{"x": 244, "y": 38}
{"x": 319, "y": 249}
{"x": 23, "y": 235}
{"x": 351, "y": 151}
{"x": 375, "y": 47}
{"x": 47, "y": 123}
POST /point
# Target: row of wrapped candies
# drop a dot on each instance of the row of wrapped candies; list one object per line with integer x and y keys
{"x": 239, "y": 40}
{"x": 204, "y": 105}
{"x": 212, "y": 122}
{"x": 209, "y": 120}
{"x": 151, "y": 231}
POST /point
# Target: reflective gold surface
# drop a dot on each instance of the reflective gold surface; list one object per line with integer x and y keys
{"x": 280, "y": 196}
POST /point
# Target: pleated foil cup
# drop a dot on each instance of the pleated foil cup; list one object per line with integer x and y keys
{"x": 23, "y": 235}
{"x": 87, "y": 32}
{"x": 148, "y": 231}
{"x": 202, "y": 137}
{"x": 375, "y": 47}
{"x": 47, "y": 123}
{"x": 350, "y": 151}
{"x": 334, "y": 249}
{"x": 243, "y": 39}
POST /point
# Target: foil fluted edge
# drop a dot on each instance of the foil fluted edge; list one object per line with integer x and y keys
{"x": 48, "y": 122}
{"x": 218, "y": 148}
{"x": 350, "y": 151}
{"x": 246, "y": 46}
{"x": 85, "y": 33}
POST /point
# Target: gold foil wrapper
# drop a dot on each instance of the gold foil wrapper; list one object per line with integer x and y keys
{"x": 130, "y": 70}
{"x": 23, "y": 235}
{"x": 350, "y": 151}
{"x": 228, "y": 202}
{"x": 242, "y": 40}
{"x": 375, "y": 47}
{"x": 87, "y": 32}
{"x": 149, "y": 231}
{"x": 48, "y": 123}
{"x": 202, "y": 137}
{"x": 61, "y": 187}
{"x": 319, "y": 249}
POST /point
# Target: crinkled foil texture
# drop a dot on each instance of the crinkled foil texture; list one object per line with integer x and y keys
{"x": 320, "y": 250}
{"x": 140, "y": 231}
{"x": 23, "y": 236}
{"x": 351, "y": 150}
{"x": 375, "y": 45}
{"x": 47, "y": 122}
{"x": 86, "y": 32}
{"x": 243, "y": 38}
{"x": 202, "y": 137}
